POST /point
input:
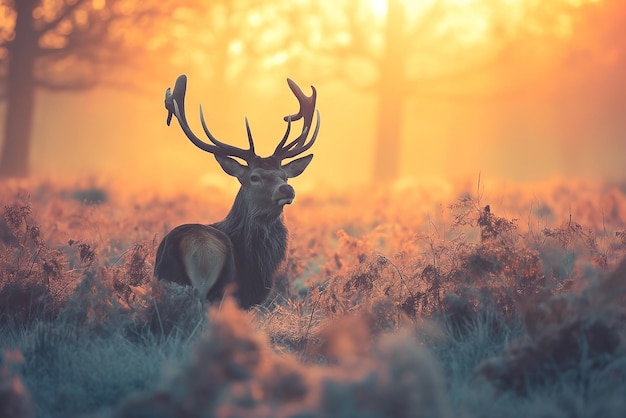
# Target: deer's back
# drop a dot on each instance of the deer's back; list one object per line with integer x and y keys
{"x": 197, "y": 255}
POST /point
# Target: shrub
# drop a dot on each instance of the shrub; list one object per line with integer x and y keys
{"x": 571, "y": 336}
{"x": 233, "y": 372}
{"x": 31, "y": 274}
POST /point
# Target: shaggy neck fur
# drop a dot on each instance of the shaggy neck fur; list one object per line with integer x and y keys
{"x": 260, "y": 243}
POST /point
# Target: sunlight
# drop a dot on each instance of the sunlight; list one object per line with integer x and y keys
{"x": 478, "y": 50}
{"x": 98, "y": 4}
{"x": 7, "y": 23}
{"x": 378, "y": 7}
{"x": 474, "y": 17}
{"x": 235, "y": 47}
{"x": 466, "y": 16}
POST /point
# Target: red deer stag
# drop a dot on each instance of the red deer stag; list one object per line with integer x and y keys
{"x": 249, "y": 244}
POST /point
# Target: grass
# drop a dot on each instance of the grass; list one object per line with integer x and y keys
{"x": 474, "y": 307}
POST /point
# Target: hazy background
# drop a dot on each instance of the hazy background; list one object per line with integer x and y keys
{"x": 518, "y": 90}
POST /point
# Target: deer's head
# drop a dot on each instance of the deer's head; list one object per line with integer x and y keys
{"x": 263, "y": 179}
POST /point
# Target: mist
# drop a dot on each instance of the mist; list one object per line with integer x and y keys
{"x": 549, "y": 112}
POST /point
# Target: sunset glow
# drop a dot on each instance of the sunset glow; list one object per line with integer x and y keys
{"x": 473, "y": 79}
{"x": 177, "y": 237}
{"x": 379, "y": 7}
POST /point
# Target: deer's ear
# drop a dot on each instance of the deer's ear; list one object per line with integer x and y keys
{"x": 296, "y": 167}
{"x": 231, "y": 166}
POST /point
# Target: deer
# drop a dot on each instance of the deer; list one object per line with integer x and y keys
{"x": 246, "y": 248}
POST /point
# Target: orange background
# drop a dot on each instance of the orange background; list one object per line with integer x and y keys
{"x": 513, "y": 90}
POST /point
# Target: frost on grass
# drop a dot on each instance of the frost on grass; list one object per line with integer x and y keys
{"x": 332, "y": 340}
{"x": 234, "y": 372}
{"x": 168, "y": 307}
{"x": 570, "y": 337}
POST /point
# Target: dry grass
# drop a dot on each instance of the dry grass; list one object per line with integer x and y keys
{"x": 389, "y": 304}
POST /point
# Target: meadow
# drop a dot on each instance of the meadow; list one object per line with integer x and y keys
{"x": 481, "y": 299}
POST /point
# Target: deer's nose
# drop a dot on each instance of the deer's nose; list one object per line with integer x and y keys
{"x": 285, "y": 194}
{"x": 286, "y": 190}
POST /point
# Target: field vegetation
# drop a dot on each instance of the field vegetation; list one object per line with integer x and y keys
{"x": 471, "y": 301}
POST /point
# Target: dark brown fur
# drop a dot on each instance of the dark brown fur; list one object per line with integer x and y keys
{"x": 170, "y": 265}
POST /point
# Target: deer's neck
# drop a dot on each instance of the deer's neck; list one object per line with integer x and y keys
{"x": 260, "y": 244}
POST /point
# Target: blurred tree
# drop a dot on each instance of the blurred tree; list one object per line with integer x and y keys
{"x": 233, "y": 47}
{"x": 395, "y": 50}
{"x": 67, "y": 45}
{"x": 223, "y": 40}
{"x": 445, "y": 49}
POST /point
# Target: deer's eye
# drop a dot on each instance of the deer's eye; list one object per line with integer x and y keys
{"x": 255, "y": 179}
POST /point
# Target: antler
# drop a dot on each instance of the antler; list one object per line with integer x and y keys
{"x": 307, "y": 108}
{"x": 175, "y": 105}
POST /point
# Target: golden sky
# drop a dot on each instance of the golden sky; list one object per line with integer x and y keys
{"x": 511, "y": 89}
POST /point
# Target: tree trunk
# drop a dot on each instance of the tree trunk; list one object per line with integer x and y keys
{"x": 14, "y": 161}
{"x": 391, "y": 97}
{"x": 388, "y": 134}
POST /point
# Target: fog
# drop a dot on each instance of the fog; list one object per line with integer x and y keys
{"x": 561, "y": 116}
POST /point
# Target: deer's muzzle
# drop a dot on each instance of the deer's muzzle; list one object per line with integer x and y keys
{"x": 284, "y": 194}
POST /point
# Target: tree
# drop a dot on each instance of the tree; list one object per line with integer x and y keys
{"x": 398, "y": 50}
{"x": 65, "y": 45}
{"x": 223, "y": 35}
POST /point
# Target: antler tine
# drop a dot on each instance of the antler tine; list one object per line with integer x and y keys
{"x": 227, "y": 149}
{"x": 285, "y": 137}
{"x": 175, "y": 105}
{"x": 298, "y": 146}
{"x": 306, "y": 111}
{"x": 250, "y": 140}
{"x": 185, "y": 127}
